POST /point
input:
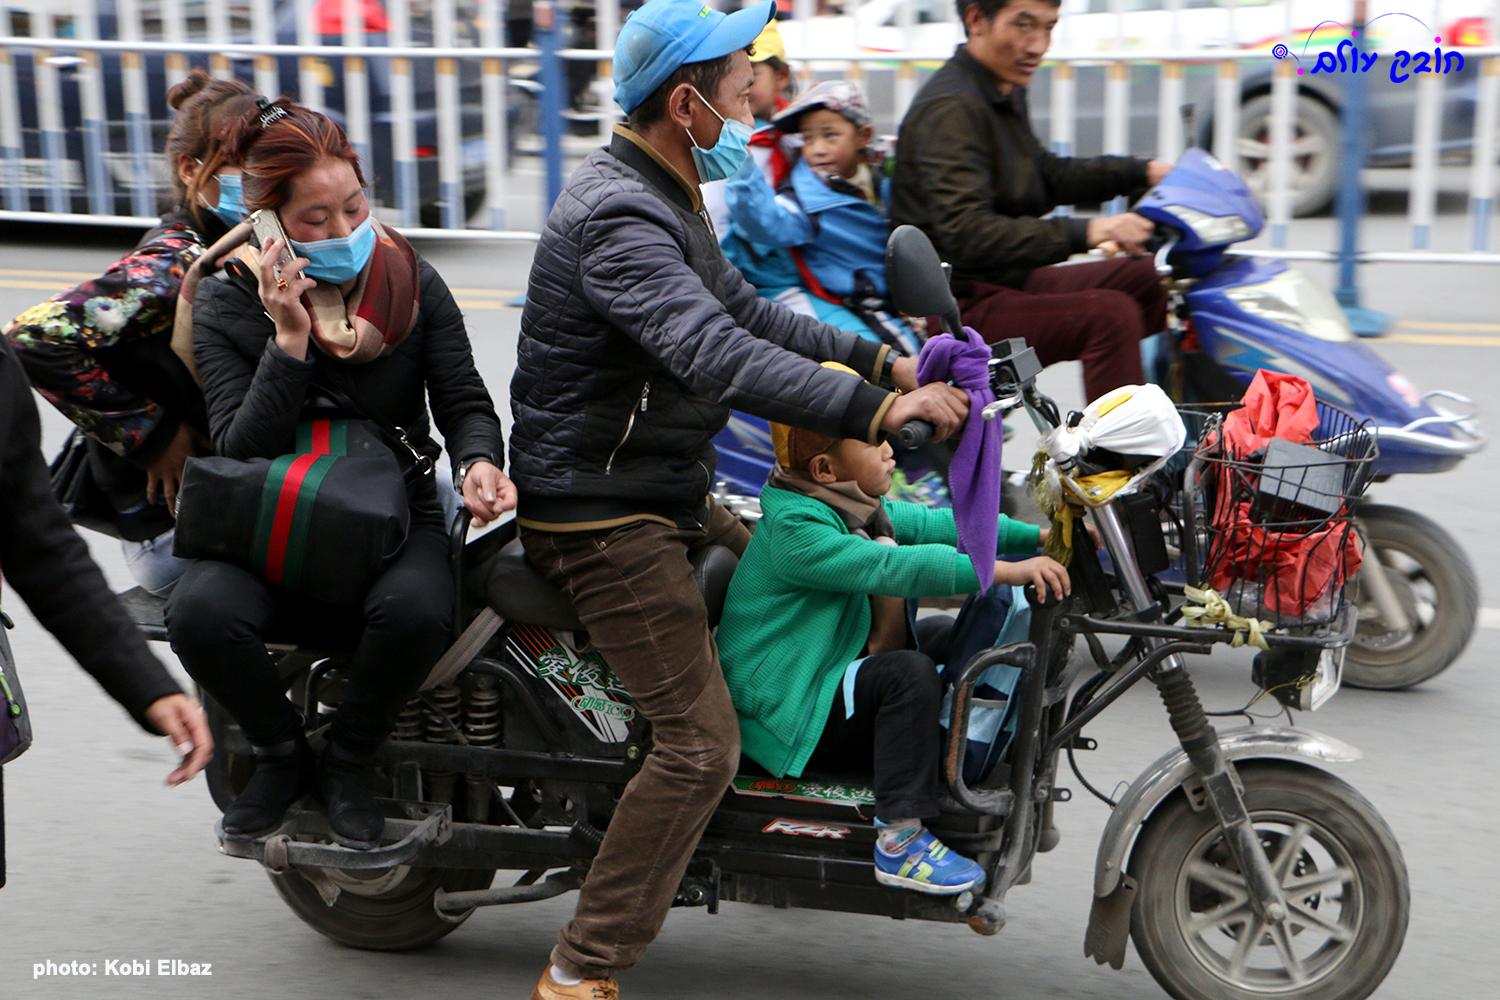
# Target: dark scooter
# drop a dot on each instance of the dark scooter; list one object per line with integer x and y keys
{"x": 1240, "y": 866}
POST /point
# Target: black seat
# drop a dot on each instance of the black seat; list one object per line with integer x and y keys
{"x": 519, "y": 593}
{"x": 148, "y": 611}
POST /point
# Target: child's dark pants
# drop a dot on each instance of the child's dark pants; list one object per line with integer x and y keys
{"x": 895, "y": 722}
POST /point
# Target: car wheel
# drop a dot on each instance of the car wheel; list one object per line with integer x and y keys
{"x": 1315, "y": 152}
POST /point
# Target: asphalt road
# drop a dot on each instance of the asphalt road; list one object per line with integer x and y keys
{"x": 106, "y": 863}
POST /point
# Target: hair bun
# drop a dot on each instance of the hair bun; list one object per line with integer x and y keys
{"x": 197, "y": 79}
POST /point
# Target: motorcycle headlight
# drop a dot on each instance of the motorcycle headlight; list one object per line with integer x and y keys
{"x": 1294, "y": 300}
{"x": 1213, "y": 229}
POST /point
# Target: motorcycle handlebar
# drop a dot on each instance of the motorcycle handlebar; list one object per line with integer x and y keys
{"x": 914, "y": 434}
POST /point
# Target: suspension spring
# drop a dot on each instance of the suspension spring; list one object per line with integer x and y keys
{"x": 1184, "y": 710}
{"x": 441, "y": 727}
{"x": 409, "y": 722}
{"x": 482, "y": 712}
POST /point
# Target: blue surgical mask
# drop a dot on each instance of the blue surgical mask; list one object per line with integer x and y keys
{"x": 337, "y": 260}
{"x": 231, "y": 206}
{"x": 728, "y": 154}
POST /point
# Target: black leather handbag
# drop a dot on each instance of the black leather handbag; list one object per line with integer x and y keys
{"x": 73, "y": 482}
{"x": 324, "y": 520}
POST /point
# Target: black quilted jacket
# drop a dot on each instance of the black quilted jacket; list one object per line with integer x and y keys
{"x": 256, "y": 391}
{"x": 638, "y": 338}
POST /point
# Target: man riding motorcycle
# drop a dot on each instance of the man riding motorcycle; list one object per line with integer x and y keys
{"x": 637, "y": 339}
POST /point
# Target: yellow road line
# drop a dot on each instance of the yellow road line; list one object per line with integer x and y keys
{"x": 1419, "y": 324}
{"x": 472, "y": 304}
{"x": 1437, "y": 339}
{"x": 46, "y": 286}
{"x": 73, "y": 275}
{"x": 507, "y": 293}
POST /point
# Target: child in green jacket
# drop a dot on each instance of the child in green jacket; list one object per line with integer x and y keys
{"x": 821, "y": 658}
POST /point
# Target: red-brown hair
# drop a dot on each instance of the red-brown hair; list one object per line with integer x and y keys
{"x": 288, "y": 144}
{"x": 204, "y": 106}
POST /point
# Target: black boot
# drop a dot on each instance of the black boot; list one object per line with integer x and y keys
{"x": 283, "y": 774}
{"x": 353, "y": 816}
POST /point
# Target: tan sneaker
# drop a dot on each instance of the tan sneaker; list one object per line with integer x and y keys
{"x": 589, "y": 989}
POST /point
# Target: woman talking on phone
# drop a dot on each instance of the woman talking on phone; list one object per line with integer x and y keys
{"x": 341, "y": 311}
{"x": 101, "y": 352}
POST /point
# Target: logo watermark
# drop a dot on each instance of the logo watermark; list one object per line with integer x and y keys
{"x": 1404, "y": 64}
{"x": 121, "y": 967}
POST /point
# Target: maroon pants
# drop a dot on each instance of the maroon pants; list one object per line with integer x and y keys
{"x": 1095, "y": 313}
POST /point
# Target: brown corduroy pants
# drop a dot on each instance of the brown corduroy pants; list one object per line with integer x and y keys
{"x": 633, "y": 590}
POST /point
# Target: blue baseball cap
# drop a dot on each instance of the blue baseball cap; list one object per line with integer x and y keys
{"x": 666, "y": 34}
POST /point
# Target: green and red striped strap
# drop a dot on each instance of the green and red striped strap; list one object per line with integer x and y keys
{"x": 288, "y": 496}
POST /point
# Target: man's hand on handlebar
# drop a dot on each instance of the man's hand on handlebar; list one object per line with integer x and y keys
{"x": 938, "y": 403}
{"x": 1129, "y": 231}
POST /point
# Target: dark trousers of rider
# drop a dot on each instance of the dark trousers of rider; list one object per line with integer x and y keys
{"x": 1096, "y": 313}
{"x": 633, "y": 589}
{"x": 894, "y": 723}
{"x": 220, "y": 616}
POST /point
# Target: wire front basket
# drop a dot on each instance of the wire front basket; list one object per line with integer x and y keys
{"x": 1268, "y": 522}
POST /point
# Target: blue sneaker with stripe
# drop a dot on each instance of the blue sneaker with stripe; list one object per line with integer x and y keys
{"x": 927, "y": 865}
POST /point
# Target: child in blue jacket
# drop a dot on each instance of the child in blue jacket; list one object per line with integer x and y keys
{"x": 829, "y": 211}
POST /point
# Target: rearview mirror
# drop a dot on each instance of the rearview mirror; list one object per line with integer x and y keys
{"x": 917, "y": 280}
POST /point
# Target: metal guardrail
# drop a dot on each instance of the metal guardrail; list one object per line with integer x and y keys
{"x": 59, "y": 176}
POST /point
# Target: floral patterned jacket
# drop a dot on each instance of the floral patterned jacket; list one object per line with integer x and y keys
{"x": 58, "y": 342}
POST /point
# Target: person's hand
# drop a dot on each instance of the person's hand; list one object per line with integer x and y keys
{"x": 938, "y": 403}
{"x": 281, "y": 293}
{"x": 1130, "y": 231}
{"x": 183, "y": 722}
{"x": 164, "y": 476}
{"x": 1040, "y": 571}
{"x": 488, "y": 493}
{"x": 904, "y": 374}
{"x": 1156, "y": 171}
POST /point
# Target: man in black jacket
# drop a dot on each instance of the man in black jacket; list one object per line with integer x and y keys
{"x": 637, "y": 339}
{"x": 972, "y": 175}
{"x": 49, "y": 566}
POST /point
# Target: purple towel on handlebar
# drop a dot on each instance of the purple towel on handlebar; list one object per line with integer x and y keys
{"x": 974, "y": 475}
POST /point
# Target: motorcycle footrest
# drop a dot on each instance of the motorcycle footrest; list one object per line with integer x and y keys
{"x": 410, "y": 828}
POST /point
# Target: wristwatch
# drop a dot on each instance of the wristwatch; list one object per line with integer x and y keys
{"x": 888, "y": 372}
{"x": 463, "y": 472}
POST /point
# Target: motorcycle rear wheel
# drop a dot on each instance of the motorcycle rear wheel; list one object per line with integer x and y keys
{"x": 1346, "y": 885}
{"x": 1434, "y": 582}
{"x": 387, "y": 910}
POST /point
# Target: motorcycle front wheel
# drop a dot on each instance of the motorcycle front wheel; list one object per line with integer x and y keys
{"x": 1340, "y": 868}
{"x": 1432, "y": 579}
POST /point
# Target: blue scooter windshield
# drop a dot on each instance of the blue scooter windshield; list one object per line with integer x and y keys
{"x": 1206, "y": 202}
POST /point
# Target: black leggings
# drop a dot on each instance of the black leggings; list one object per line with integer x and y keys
{"x": 897, "y": 697}
{"x": 219, "y": 617}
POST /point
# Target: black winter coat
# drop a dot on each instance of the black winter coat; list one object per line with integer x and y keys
{"x": 637, "y": 339}
{"x": 256, "y": 391}
{"x": 50, "y": 567}
{"x": 971, "y": 174}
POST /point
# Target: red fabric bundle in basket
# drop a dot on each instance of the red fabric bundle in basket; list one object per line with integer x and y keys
{"x": 1295, "y": 571}
{"x": 1289, "y": 572}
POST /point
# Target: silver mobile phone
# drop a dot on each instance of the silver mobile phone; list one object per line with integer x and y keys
{"x": 267, "y": 228}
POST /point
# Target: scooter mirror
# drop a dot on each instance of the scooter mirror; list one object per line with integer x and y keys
{"x": 917, "y": 279}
